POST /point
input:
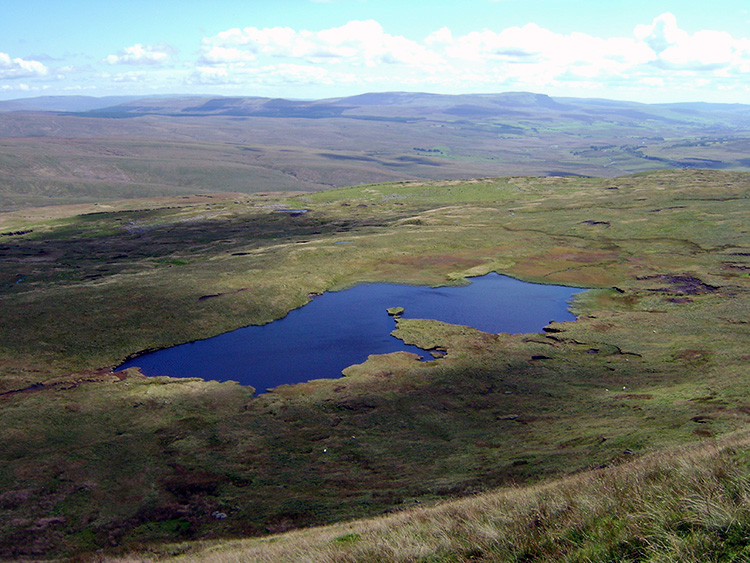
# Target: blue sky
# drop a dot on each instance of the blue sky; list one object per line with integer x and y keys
{"x": 641, "y": 50}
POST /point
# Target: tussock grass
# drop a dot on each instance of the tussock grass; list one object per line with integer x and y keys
{"x": 690, "y": 504}
{"x": 657, "y": 359}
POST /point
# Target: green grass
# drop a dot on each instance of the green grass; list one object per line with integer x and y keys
{"x": 687, "y": 505}
{"x": 657, "y": 358}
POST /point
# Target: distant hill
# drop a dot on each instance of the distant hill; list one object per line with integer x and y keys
{"x": 408, "y": 106}
{"x": 398, "y": 106}
{"x": 75, "y": 103}
{"x": 63, "y": 103}
{"x": 60, "y": 149}
{"x": 705, "y": 106}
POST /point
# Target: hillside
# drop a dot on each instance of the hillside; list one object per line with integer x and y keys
{"x": 98, "y": 150}
{"x": 688, "y": 505}
{"x": 95, "y": 459}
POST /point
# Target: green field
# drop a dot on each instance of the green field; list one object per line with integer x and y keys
{"x": 96, "y": 460}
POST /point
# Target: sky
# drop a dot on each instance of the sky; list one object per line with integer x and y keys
{"x": 647, "y": 51}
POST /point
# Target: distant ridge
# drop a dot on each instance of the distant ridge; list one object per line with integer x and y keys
{"x": 383, "y": 106}
{"x": 406, "y": 107}
{"x": 74, "y": 103}
{"x": 79, "y": 148}
{"x": 706, "y": 106}
{"x": 63, "y": 103}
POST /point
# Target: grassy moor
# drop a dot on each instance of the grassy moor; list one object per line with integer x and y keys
{"x": 621, "y": 436}
{"x": 57, "y": 150}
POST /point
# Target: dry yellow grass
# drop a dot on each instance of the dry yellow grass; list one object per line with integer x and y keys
{"x": 690, "y": 504}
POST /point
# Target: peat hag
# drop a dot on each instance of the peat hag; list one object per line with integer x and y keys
{"x": 339, "y": 329}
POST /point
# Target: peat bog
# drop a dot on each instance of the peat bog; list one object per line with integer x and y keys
{"x": 98, "y": 460}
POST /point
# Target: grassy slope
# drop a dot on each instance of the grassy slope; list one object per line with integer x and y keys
{"x": 688, "y": 505}
{"x": 95, "y": 459}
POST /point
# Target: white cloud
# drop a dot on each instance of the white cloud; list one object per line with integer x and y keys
{"x": 269, "y": 75}
{"x": 24, "y": 88}
{"x": 534, "y": 58}
{"x": 362, "y": 53}
{"x": 706, "y": 50}
{"x": 223, "y": 55}
{"x": 211, "y": 75}
{"x": 142, "y": 55}
{"x": 661, "y": 33}
{"x": 654, "y": 61}
{"x": 20, "y": 68}
{"x": 127, "y": 77}
{"x": 656, "y": 54}
{"x": 356, "y": 42}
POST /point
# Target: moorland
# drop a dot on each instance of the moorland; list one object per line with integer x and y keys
{"x": 165, "y": 233}
{"x": 59, "y": 150}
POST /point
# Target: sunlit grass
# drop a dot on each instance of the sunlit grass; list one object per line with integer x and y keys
{"x": 657, "y": 358}
{"x": 687, "y": 505}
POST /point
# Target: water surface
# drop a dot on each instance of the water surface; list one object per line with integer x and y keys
{"x": 339, "y": 329}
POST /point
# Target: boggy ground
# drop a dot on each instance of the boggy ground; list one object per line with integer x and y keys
{"x": 98, "y": 460}
{"x": 687, "y": 504}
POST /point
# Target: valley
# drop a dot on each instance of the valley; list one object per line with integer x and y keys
{"x": 181, "y": 146}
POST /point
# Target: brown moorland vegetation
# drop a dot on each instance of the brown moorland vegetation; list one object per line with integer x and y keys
{"x": 174, "y": 146}
{"x": 95, "y": 460}
{"x": 688, "y": 505}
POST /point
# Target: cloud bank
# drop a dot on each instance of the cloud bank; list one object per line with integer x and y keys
{"x": 658, "y": 54}
{"x": 656, "y": 59}
{"x": 142, "y": 55}
{"x": 20, "y": 68}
